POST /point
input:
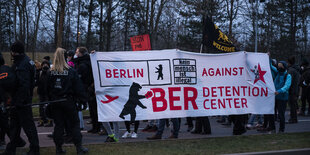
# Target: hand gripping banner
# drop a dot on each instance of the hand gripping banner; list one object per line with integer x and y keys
{"x": 147, "y": 85}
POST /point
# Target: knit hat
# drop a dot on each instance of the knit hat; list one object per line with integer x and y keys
{"x": 18, "y": 47}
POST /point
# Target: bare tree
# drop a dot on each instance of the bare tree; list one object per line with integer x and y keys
{"x": 61, "y": 23}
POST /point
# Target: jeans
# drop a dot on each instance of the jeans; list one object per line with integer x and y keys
{"x": 252, "y": 119}
{"x": 176, "y": 126}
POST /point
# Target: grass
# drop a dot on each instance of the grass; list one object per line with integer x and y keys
{"x": 218, "y": 145}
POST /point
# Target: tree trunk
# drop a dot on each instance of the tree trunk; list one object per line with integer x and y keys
{"x": 78, "y": 25}
{"x": 90, "y": 15}
{"x": 56, "y": 23}
{"x": 61, "y": 23}
{"x": 101, "y": 26}
{"x": 109, "y": 25}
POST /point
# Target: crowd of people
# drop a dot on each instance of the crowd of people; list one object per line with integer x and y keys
{"x": 66, "y": 87}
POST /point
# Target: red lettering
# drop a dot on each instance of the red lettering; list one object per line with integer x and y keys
{"x": 115, "y": 73}
{"x": 139, "y": 73}
{"x": 213, "y": 92}
{"x": 218, "y": 72}
{"x": 174, "y": 98}
{"x": 236, "y": 102}
{"x": 221, "y": 90}
{"x": 122, "y": 72}
{"x": 204, "y": 104}
{"x": 211, "y": 71}
{"x": 263, "y": 91}
{"x": 160, "y": 98}
{"x": 229, "y": 99}
{"x": 255, "y": 93}
{"x": 108, "y": 73}
{"x": 240, "y": 68}
{"x": 204, "y": 72}
{"x": 244, "y": 102}
{"x": 204, "y": 90}
{"x": 128, "y": 74}
{"x": 235, "y": 71}
{"x": 191, "y": 99}
{"x": 227, "y": 89}
{"x": 221, "y": 104}
{"x": 213, "y": 104}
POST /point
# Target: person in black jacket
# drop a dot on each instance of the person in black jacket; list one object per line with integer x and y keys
{"x": 21, "y": 112}
{"x": 293, "y": 70}
{"x": 83, "y": 67}
{"x": 42, "y": 83}
{"x": 64, "y": 83}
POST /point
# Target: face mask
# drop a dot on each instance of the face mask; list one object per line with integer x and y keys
{"x": 281, "y": 70}
{"x": 75, "y": 56}
{"x": 302, "y": 67}
{"x": 45, "y": 68}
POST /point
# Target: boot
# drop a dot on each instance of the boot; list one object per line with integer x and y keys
{"x": 40, "y": 123}
{"x": 80, "y": 149}
{"x": 49, "y": 123}
{"x": 59, "y": 150}
{"x": 154, "y": 137}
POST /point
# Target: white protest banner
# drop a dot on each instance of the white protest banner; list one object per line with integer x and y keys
{"x": 147, "y": 85}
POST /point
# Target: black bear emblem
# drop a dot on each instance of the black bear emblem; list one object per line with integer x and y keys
{"x": 133, "y": 101}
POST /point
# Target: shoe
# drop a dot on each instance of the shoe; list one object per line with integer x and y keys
{"x": 92, "y": 131}
{"x": 153, "y": 129}
{"x": 102, "y": 132}
{"x": 190, "y": 128}
{"x": 134, "y": 135}
{"x": 49, "y": 124}
{"x": 196, "y": 132}
{"x": 81, "y": 150}
{"x": 126, "y": 135}
{"x": 89, "y": 122}
{"x": 60, "y": 151}
{"x": 111, "y": 139}
{"x": 206, "y": 133}
{"x": 40, "y": 123}
{"x": 249, "y": 126}
{"x": 21, "y": 143}
{"x": 291, "y": 121}
{"x": 154, "y": 137}
{"x": 239, "y": 132}
{"x": 272, "y": 131}
{"x": 31, "y": 152}
{"x": 146, "y": 128}
{"x": 172, "y": 137}
{"x": 258, "y": 126}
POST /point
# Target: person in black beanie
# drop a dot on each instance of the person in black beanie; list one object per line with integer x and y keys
{"x": 21, "y": 113}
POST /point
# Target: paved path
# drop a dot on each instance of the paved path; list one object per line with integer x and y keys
{"x": 218, "y": 130}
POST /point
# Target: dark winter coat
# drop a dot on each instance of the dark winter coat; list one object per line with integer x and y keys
{"x": 25, "y": 77}
{"x": 294, "y": 72}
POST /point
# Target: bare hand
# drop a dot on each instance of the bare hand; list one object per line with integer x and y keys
{"x": 276, "y": 93}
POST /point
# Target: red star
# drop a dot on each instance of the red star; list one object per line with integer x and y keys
{"x": 261, "y": 75}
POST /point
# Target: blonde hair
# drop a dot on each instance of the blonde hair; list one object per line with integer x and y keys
{"x": 37, "y": 64}
{"x": 59, "y": 63}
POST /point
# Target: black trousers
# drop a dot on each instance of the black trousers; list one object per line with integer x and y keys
{"x": 203, "y": 123}
{"x": 4, "y": 125}
{"x": 269, "y": 121}
{"x": 292, "y": 102}
{"x": 304, "y": 98}
{"x": 22, "y": 118}
{"x": 93, "y": 113}
{"x": 239, "y": 122}
{"x": 189, "y": 121}
{"x": 65, "y": 112}
{"x": 281, "y": 108}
